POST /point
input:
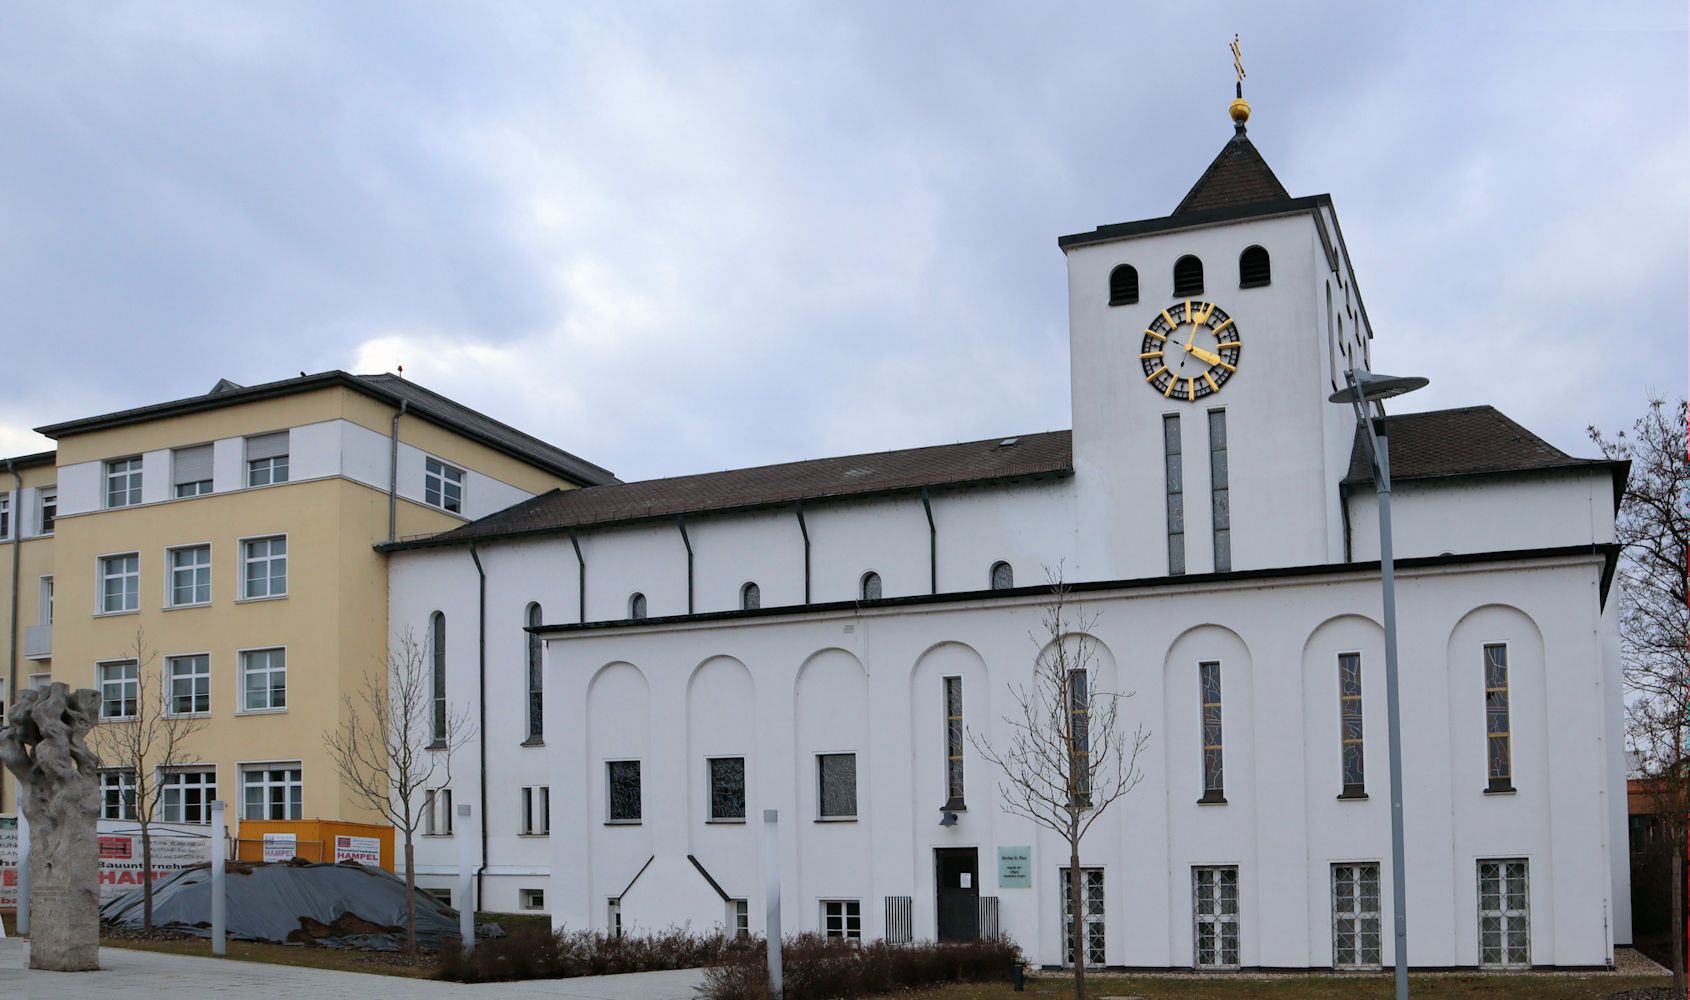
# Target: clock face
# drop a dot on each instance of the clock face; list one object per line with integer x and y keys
{"x": 1190, "y": 350}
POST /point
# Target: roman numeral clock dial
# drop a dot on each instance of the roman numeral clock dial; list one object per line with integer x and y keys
{"x": 1190, "y": 350}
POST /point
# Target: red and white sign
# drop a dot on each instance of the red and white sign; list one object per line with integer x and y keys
{"x": 364, "y": 850}
{"x": 173, "y": 848}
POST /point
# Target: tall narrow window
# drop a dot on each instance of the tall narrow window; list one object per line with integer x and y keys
{"x": 871, "y": 586}
{"x": 190, "y": 471}
{"x": 5, "y": 515}
{"x": 1214, "y": 910}
{"x": 836, "y": 785}
{"x": 190, "y": 684}
{"x": 1123, "y": 285}
{"x": 1174, "y": 469}
{"x": 1079, "y": 734}
{"x": 123, "y": 482}
{"x": 1188, "y": 276}
{"x": 1355, "y": 916}
{"x": 1220, "y": 503}
{"x": 625, "y": 802}
{"x": 1254, "y": 268}
{"x": 727, "y": 789}
{"x": 536, "y": 811}
{"x": 1003, "y": 576}
{"x": 47, "y": 504}
{"x": 750, "y": 597}
{"x": 1349, "y": 723}
{"x": 536, "y": 680}
{"x": 1091, "y": 909}
{"x": 437, "y": 812}
{"x": 120, "y": 583}
{"x": 1209, "y": 679}
{"x": 1497, "y": 735}
{"x": 1505, "y": 939}
{"x": 437, "y": 660}
{"x": 953, "y": 743}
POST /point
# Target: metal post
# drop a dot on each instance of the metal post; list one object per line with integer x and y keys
{"x": 219, "y": 897}
{"x": 466, "y": 877}
{"x": 1393, "y": 715}
{"x": 771, "y": 879}
{"x": 23, "y": 870}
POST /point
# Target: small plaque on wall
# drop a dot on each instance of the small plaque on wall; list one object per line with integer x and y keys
{"x": 1015, "y": 867}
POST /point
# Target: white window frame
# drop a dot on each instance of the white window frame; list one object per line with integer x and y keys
{"x": 8, "y": 523}
{"x": 435, "y": 478}
{"x": 856, "y": 789}
{"x": 241, "y": 547}
{"x": 44, "y": 596}
{"x": 1094, "y": 923}
{"x": 245, "y": 769}
{"x": 125, "y": 806}
{"x": 45, "y": 497}
{"x": 1348, "y": 953}
{"x": 268, "y": 467}
{"x": 134, "y": 469}
{"x": 169, "y": 779}
{"x": 133, "y": 683}
{"x": 1506, "y": 915}
{"x": 1217, "y": 920}
{"x": 241, "y": 656}
{"x": 39, "y": 681}
{"x": 536, "y": 811}
{"x": 101, "y": 576}
{"x": 839, "y": 925}
{"x": 170, "y": 684}
{"x": 171, "y": 569}
{"x": 437, "y": 812}
{"x": 531, "y": 900}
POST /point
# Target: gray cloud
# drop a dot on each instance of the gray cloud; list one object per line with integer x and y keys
{"x": 699, "y": 236}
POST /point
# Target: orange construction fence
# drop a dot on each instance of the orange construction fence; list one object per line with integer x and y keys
{"x": 314, "y": 840}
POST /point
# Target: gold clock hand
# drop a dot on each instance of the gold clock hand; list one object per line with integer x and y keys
{"x": 1207, "y": 357}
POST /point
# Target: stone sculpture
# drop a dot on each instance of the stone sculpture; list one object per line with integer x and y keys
{"x": 44, "y": 744}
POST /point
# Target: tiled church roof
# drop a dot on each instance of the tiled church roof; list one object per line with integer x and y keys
{"x": 1237, "y": 177}
{"x": 1472, "y": 440}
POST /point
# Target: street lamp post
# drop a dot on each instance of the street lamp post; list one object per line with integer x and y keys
{"x": 1364, "y": 388}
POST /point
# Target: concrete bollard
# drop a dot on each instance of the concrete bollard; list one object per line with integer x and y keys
{"x": 466, "y": 877}
{"x": 219, "y": 888}
{"x": 771, "y": 877}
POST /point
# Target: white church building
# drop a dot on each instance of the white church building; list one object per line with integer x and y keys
{"x": 652, "y": 665}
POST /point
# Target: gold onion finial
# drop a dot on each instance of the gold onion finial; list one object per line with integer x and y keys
{"x": 1239, "y": 109}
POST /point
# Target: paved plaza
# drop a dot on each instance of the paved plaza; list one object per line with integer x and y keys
{"x": 137, "y": 974}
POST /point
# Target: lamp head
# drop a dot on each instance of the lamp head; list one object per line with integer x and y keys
{"x": 949, "y": 819}
{"x": 1375, "y": 387}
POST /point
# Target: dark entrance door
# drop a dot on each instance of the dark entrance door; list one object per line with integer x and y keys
{"x": 957, "y": 871}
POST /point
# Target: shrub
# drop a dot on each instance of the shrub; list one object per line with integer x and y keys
{"x": 818, "y": 968}
{"x": 540, "y": 953}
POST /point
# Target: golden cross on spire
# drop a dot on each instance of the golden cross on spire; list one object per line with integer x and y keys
{"x": 1240, "y": 108}
{"x": 1238, "y": 60}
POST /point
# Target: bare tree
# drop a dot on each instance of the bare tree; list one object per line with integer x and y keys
{"x": 1653, "y": 528}
{"x": 1067, "y": 756}
{"x": 146, "y": 740}
{"x": 394, "y": 747}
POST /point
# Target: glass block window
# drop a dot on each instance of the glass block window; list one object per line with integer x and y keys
{"x": 1174, "y": 470}
{"x": 536, "y": 679}
{"x": 871, "y": 586}
{"x": 123, "y": 482}
{"x": 1355, "y": 916}
{"x": 1091, "y": 906}
{"x": 117, "y": 793}
{"x": 842, "y": 918}
{"x": 1497, "y": 736}
{"x": 272, "y": 791}
{"x": 1350, "y": 724}
{"x": 120, "y": 689}
{"x": 264, "y": 680}
{"x": 190, "y": 684}
{"x": 120, "y": 583}
{"x": 836, "y": 785}
{"x": 190, "y": 576}
{"x": 1214, "y": 909}
{"x": 264, "y": 563}
{"x": 953, "y": 743}
{"x": 443, "y": 486}
{"x": 185, "y": 795}
{"x": 1209, "y": 683}
{"x": 624, "y": 781}
{"x": 727, "y": 788}
{"x": 1219, "y": 494}
{"x": 1505, "y": 936}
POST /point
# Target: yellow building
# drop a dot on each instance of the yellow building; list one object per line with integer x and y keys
{"x": 231, "y": 536}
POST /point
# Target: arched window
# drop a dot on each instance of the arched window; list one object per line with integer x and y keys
{"x": 750, "y": 597}
{"x": 1123, "y": 285}
{"x": 536, "y": 678}
{"x": 1188, "y": 276}
{"x": 636, "y": 606}
{"x": 870, "y": 588}
{"x": 1003, "y": 576}
{"x": 437, "y": 663}
{"x": 1254, "y": 268}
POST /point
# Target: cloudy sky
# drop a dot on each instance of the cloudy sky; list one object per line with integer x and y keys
{"x": 691, "y": 236}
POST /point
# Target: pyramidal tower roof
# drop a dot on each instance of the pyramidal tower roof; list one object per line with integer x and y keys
{"x": 1237, "y": 177}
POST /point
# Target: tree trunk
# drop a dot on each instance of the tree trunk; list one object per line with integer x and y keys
{"x": 1076, "y": 896}
{"x": 146, "y": 878}
{"x": 1678, "y": 977}
{"x": 410, "y": 896}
